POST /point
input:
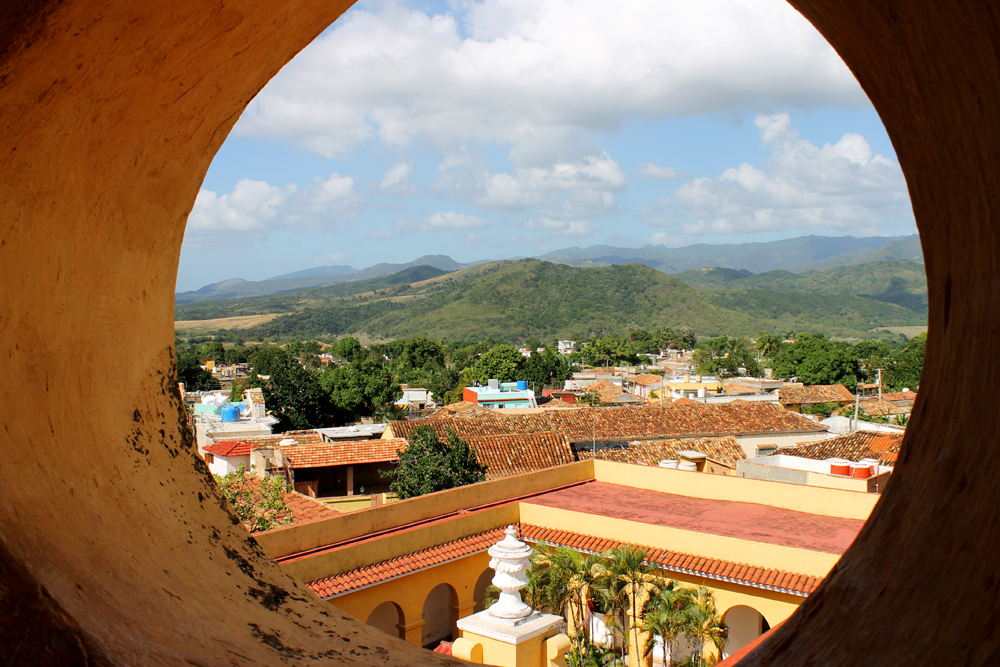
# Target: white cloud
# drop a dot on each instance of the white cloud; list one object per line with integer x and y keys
{"x": 841, "y": 187}
{"x": 254, "y": 207}
{"x": 397, "y": 180}
{"x": 650, "y": 170}
{"x": 537, "y": 75}
{"x": 445, "y": 222}
{"x": 561, "y": 227}
{"x": 581, "y": 187}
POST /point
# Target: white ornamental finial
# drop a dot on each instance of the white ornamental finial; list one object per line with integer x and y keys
{"x": 510, "y": 561}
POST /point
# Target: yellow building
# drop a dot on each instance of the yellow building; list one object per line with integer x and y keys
{"x": 415, "y": 567}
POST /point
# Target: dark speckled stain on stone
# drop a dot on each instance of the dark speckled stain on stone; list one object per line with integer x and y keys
{"x": 274, "y": 641}
{"x": 241, "y": 562}
{"x": 270, "y": 596}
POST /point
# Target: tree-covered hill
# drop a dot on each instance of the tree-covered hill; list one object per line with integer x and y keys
{"x": 900, "y": 282}
{"x": 516, "y": 300}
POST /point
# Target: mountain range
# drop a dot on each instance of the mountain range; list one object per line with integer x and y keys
{"x": 515, "y": 300}
{"x": 796, "y": 255}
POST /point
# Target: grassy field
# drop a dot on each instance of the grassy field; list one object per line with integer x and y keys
{"x": 909, "y": 332}
{"x": 206, "y": 326}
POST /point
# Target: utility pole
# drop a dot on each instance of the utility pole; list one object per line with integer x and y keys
{"x": 857, "y": 401}
{"x": 880, "y": 385}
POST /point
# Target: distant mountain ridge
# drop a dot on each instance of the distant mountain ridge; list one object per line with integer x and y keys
{"x": 315, "y": 277}
{"x": 514, "y": 300}
{"x": 797, "y": 255}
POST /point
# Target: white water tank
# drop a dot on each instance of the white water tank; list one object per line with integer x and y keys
{"x": 690, "y": 466}
{"x": 668, "y": 463}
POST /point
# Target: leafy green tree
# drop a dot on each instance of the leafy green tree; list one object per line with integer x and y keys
{"x": 259, "y": 503}
{"x": 194, "y": 377}
{"x": 590, "y": 398}
{"x": 292, "y": 393}
{"x": 629, "y": 577}
{"x": 545, "y": 367}
{"x": 360, "y": 388}
{"x": 815, "y": 360}
{"x": 610, "y": 349}
{"x": 503, "y": 363}
{"x": 907, "y": 365}
{"x": 767, "y": 344}
{"x": 427, "y": 464}
{"x": 212, "y": 350}
{"x": 822, "y": 409}
{"x": 238, "y": 354}
{"x": 348, "y": 349}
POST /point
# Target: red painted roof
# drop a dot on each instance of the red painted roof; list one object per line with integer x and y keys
{"x": 671, "y": 561}
{"x": 740, "y": 520}
{"x": 444, "y": 648}
{"x": 231, "y": 448}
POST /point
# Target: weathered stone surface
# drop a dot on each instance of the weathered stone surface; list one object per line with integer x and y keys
{"x": 113, "y": 535}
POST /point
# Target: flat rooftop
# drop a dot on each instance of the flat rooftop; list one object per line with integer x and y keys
{"x": 741, "y": 520}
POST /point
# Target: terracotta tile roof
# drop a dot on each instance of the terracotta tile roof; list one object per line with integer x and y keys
{"x": 673, "y": 561}
{"x": 355, "y": 452}
{"x": 462, "y": 409}
{"x": 899, "y": 396}
{"x": 722, "y": 450}
{"x": 271, "y": 441}
{"x": 606, "y": 390}
{"x": 408, "y": 564}
{"x": 494, "y": 424}
{"x": 670, "y": 561}
{"x": 506, "y": 455}
{"x": 443, "y": 648}
{"x": 303, "y": 508}
{"x": 793, "y": 394}
{"x": 685, "y": 401}
{"x": 558, "y": 404}
{"x": 231, "y": 448}
{"x": 648, "y": 379}
{"x": 679, "y": 421}
{"x": 883, "y": 408}
{"x": 853, "y": 447}
{"x": 306, "y": 509}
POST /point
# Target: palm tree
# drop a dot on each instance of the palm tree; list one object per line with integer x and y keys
{"x": 767, "y": 344}
{"x": 563, "y": 581}
{"x": 665, "y": 615}
{"x": 704, "y": 624}
{"x": 630, "y": 579}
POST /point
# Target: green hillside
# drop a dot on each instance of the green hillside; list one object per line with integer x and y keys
{"x": 514, "y": 300}
{"x": 900, "y": 282}
{"x": 901, "y": 248}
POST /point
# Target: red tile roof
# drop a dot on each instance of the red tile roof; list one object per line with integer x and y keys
{"x": 493, "y": 424}
{"x": 355, "y": 452}
{"x": 506, "y": 455}
{"x": 231, "y": 448}
{"x": 723, "y": 450}
{"x": 648, "y": 379}
{"x": 793, "y": 394}
{"x": 674, "y": 561}
{"x": 853, "y": 447}
{"x": 463, "y": 409}
{"x": 670, "y": 561}
{"x": 897, "y": 396}
{"x": 403, "y": 565}
{"x": 303, "y": 508}
{"x": 272, "y": 441}
{"x": 679, "y": 421}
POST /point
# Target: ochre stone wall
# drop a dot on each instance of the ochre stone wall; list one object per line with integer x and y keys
{"x": 115, "y": 546}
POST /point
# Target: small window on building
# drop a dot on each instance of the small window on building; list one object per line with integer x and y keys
{"x": 209, "y": 459}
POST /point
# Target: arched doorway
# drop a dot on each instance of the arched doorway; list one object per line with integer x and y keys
{"x": 438, "y": 615}
{"x": 387, "y": 617}
{"x": 479, "y": 592}
{"x": 745, "y": 625}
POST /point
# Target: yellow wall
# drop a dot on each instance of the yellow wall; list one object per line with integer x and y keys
{"x": 813, "y": 500}
{"x": 293, "y": 539}
{"x": 410, "y": 592}
{"x": 368, "y": 552}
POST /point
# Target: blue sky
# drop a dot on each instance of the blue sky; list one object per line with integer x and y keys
{"x": 505, "y": 128}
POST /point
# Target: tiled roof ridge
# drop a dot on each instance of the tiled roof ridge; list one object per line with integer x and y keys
{"x": 230, "y": 447}
{"x": 672, "y": 561}
{"x": 710, "y": 568}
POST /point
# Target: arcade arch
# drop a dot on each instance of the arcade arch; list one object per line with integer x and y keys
{"x": 439, "y": 615}
{"x": 389, "y": 618}
{"x": 745, "y": 625}
{"x": 113, "y": 111}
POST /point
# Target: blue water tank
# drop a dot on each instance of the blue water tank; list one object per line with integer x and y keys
{"x": 522, "y": 385}
{"x": 230, "y": 413}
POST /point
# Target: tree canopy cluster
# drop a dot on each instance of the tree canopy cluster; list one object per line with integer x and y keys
{"x": 814, "y": 359}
